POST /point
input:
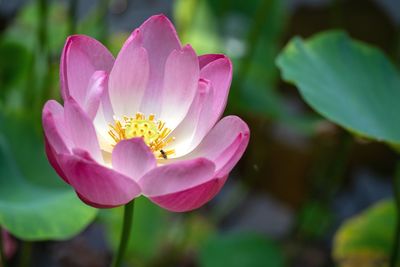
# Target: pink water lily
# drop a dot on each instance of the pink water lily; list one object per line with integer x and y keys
{"x": 9, "y": 244}
{"x": 146, "y": 123}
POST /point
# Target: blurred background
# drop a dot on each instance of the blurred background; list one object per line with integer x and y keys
{"x": 301, "y": 178}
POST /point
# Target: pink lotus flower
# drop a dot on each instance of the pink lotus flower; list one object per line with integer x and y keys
{"x": 9, "y": 244}
{"x": 145, "y": 123}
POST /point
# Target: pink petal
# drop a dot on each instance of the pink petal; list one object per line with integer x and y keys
{"x": 206, "y": 120}
{"x": 224, "y": 144}
{"x": 96, "y": 88}
{"x": 208, "y": 58}
{"x": 196, "y": 121}
{"x": 159, "y": 39}
{"x": 104, "y": 117}
{"x": 52, "y": 157}
{"x": 81, "y": 57}
{"x": 95, "y": 205}
{"x": 81, "y": 129}
{"x": 102, "y": 126}
{"x": 54, "y": 127}
{"x": 129, "y": 77}
{"x": 192, "y": 198}
{"x": 9, "y": 244}
{"x": 106, "y": 107}
{"x": 176, "y": 177}
{"x": 180, "y": 85}
{"x": 133, "y": 158}
{"x": 219, "y": 73}
{"x": 98, "y": 184}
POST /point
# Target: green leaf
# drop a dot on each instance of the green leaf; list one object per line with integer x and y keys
{"x": 240, "y": 250}
{"x": 346, "y": 81}
{"x": 35, "y": 204}
{"x": 368, "y": 237}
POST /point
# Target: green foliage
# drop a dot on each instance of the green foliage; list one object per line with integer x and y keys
{"x": 13, "y": 64}
{"x": 38, "y": 78}
{"x": 367, "y": 238}
{"x": 34, "y": 202}
{"x": 94, "y": 24}
{"x": 158, "y": 238}
{"x": 314, "y": 220}
{"x": 25, "y": 28}
{"x": 241, "y": 250}
{"x": 148, "y": 231}
{"x": 248, "y": 34}
{"x": 346, "y": 81}
{"x": 197, "y": 25}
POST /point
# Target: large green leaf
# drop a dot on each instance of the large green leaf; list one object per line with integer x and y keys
{"x": 240, "y": 250}
{"x": 366, "y": 239}
{"x": 34, "y": 203}
{"x": 348, "y": 82}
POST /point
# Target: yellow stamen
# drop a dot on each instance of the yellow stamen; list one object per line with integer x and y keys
{"x": 154, "y": 133}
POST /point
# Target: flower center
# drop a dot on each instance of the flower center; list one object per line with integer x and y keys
{"x": 153, "y": 132}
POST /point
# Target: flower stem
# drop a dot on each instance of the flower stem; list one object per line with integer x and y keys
{"x": 125, "y": 234}
{"x": 396, "y": 242}
{"x": 3, "y": 261}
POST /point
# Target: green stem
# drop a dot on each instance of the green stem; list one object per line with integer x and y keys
{"x": 125, "y": 234}
{"x": 396, "y": 243}
{"x": 3, "y": 261}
